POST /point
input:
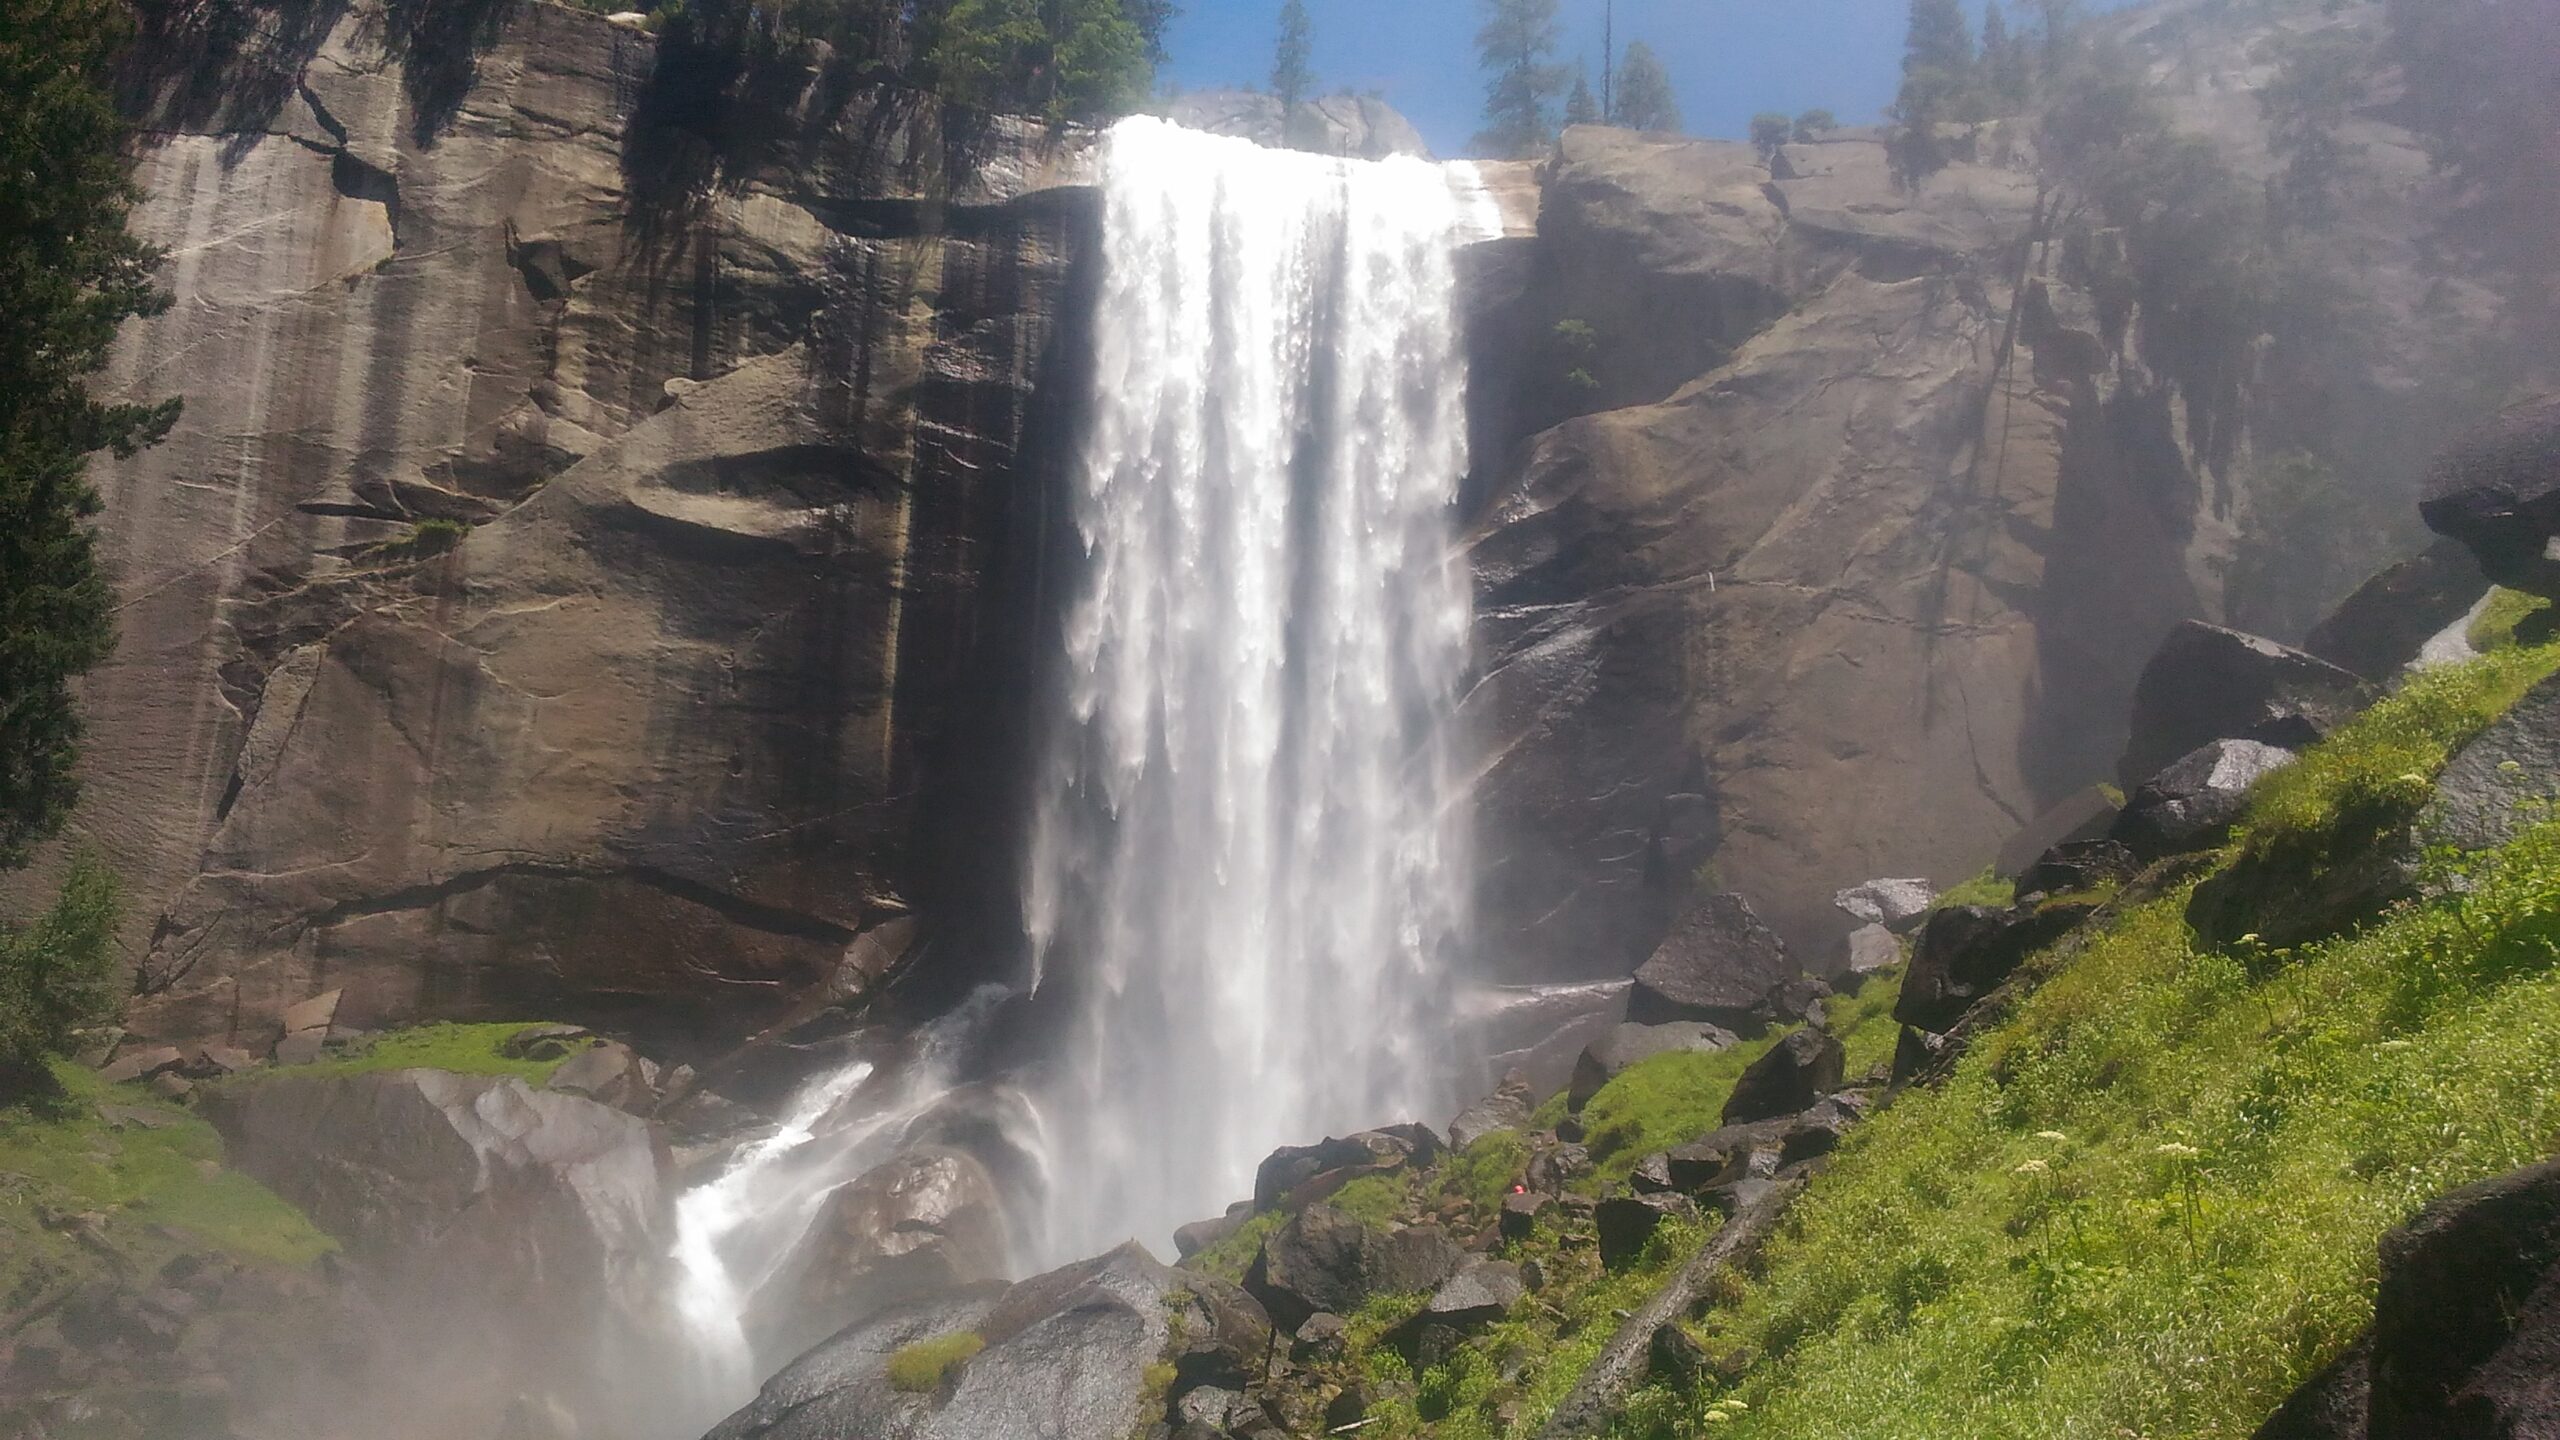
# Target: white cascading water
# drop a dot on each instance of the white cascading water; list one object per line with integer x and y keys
{"x": 736, "y": 1233}
{"x": 1246, "y": 869}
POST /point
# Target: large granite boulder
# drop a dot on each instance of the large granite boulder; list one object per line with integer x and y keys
{"x": 1326, "y": 1261}
{"x": 2193, "y": 804}
{"x": 2506, "y": 778}
{"x": 2498, "y": 492}
{"x": 2465, "y": 1340}
{"x": 1627, "y": 1044}
{"x": 1797, "y": 1071}
{"x": 928, "y": 1223}
{"x": 1720, "y": 966}
{"x": 1066, "y": 1358}
{"x": 1966, "y": 951}
{"x": 493, "y": 1230}
{"x": 2385, "y": 625}
{"x": 2206, "y": 683}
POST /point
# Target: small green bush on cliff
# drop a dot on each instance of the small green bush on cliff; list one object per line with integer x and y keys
{"x": 56, "y": 976}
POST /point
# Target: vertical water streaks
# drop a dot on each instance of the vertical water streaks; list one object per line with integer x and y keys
{"x": 1246, "y": 870}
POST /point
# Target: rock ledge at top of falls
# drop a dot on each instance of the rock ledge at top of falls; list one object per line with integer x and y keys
{"x": 724, "y": 674}
{"x": 1361, "y": 127}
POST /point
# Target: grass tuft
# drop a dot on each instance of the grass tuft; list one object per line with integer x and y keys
{"x": 920, "y": 1368}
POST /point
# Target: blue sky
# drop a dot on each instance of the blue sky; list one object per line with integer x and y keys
{"x": 1729, "y": 59}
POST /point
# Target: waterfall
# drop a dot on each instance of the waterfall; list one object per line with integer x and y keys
{"x": 1246, "y": 868}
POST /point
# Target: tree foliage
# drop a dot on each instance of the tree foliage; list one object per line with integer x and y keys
{"x": 1769, "y": 131}
{"x": 1291, "y": 77}
{"x": 57, "y": 976}
{"x": 2007, "y": 69}
{"x": 70, "y": 273}
{"x": 1580, "y": 108}
{"x": 1069, "y": 59}
{"x": 1645, "y": 101}
{"x": 1517, "y": 46}
{"x": 1937, "y": 88}
{"x": 1812, "y": 125}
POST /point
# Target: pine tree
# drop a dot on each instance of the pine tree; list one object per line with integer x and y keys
{"x": 1937, "y": 78}
{"x": 1770, "y": 131}
{"x": 1071, "y": 59}
{"x": 70, "y": 273}
{"x": 1645, "y": 101}
{"x": 1290, "y": 77}
{"x": 1517, "y": 46}
{"x": 1579, "y": 107}
{"x": 2004, "y": 60}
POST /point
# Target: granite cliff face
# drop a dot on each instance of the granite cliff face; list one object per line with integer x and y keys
{"x": 1833, "y": 520}
{"x": 596, "y": 573}
{"x": 603, "y": 565}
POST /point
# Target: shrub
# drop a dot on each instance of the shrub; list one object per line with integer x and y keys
{"x": 919, "y": 1369}
{"x": 56, "y": 976}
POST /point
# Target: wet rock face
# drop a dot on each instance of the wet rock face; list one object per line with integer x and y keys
{"x": 1711, "y": 580}
{"x": 726, "y": 670}
{"x": 1066, "y": 1359}
{"x": 929, "y": 1223}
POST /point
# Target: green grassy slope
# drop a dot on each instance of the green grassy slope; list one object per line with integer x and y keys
{"x": 2147, "y": 1204}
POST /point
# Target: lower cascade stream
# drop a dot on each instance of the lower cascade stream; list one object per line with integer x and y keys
{"x": 1247, "y": 867}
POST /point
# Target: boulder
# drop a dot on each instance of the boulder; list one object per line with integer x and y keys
{"x": 1556, "y": 1167}
{"x": 2503, "y": 779}
{"x": 1719, "y": 966}
{"x": 1630, "y": 1043}
{"x": 1897, "y": 905}
{"x": 2466, "y": 1336}
{"x": 523, "y": 1230}
{"x": 2085, "y": 815}
{"x": 2206, "y": 683}
{"x": 609, "y": 1073}
{"x": 1067, "y": 1358}
{"x": 1674, "y": 1358}
{"x": 2192, "y": 804}
{"x": 2368, "y": 861}
{"x": 1818, "y": 1131}
{"x": 1359, "y": 127}
{"x": 141, "y": 1064}
{"x": 543, "y": 1042}
{"x": 1199, "y": 1235}
{"x": 317, "y": 1013}
{"x": 1478, "y": 1295}
{"x": 1872, "y": 949}
{"x": 1535, "y": 1030}
{"x": 928, "y": 1223}
{"x": 2076, "y": 866}
{"x": 2383, "y": 627}
{"x": 1966, "y": 951}
{"x": 1292, "y": 1166}
{"x": 1224, "y": 1336}
{"x": 1507, "y": 1108}
{"x": 2465, "y": 1340}
{"x": 2498, "y": 492}
{"x": 1326, "y": 1260}
{"x": 1798, "y": 1070}
{"x": 1521, "y": 1212}
{"x": 1916, "y": 1053}
{"x": 1244, "y": 114}
{"x": 1627, "y": 1223}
